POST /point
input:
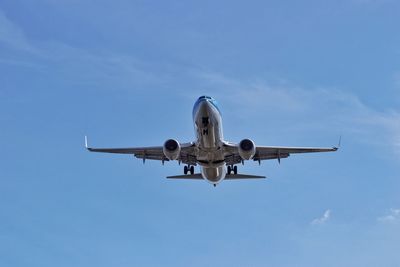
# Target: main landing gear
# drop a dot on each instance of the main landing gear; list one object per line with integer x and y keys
{"x": 232, "y": 168}
{"x": 187, "y": 169}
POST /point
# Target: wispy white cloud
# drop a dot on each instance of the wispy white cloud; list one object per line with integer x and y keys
{"x": 325, "y": 217}
{"x": 337, "y": 109}
{"x": 13, "y": 36}
{"x": 392, "y": 217}
{"x": 20, "y": 63}
{"x": 396, "y": 77}
{"x": 79, "y": 65}
{"x": 376, "y": 2}
{"x": 82, "y": 65}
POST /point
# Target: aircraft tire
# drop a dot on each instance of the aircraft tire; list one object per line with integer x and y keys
{"x": 192, "y": 170}
{"x": 185, "y": 169}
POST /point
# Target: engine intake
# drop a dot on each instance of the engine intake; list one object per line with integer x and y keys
{"x": 247, "y": 149}
{"x": 171, "y": 149}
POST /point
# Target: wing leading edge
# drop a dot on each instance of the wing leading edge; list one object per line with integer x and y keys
{"x": 151, "y": 152}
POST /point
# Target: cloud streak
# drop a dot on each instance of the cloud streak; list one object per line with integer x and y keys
{"x": 392, "y": 217}
{"x": 74, "y": 63}
{"x": 325, "y": 217}
{"x": 13, "y": 36}
{"x": 315, "y": 109}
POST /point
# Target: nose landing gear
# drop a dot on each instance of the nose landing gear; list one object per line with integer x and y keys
{"x": 187, "y": 169}
{"x": 232, "y": 168}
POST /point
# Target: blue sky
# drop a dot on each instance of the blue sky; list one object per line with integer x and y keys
{"x": 127, "y": 73}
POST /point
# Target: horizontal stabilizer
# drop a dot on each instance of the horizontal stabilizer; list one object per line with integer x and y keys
{"x": 243, "y": 176}
{"x": 195, "y": 176}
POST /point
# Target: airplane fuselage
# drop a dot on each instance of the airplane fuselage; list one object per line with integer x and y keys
{"x": 217, "y": 158}
{"x": 207, "y": 121}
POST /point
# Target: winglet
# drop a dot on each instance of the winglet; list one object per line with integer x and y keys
{"x": 338, "y": 146}
{"x": 86, "y": 145}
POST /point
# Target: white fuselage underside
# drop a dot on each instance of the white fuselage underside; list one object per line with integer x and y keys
{"x": 210, "y": 153}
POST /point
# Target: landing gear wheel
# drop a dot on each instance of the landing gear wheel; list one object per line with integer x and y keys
{"x": 229, "y": 170}
{"x": 185, "y": 170}
{"x": 235, "y": 169}
{"x": 192, "y": 170}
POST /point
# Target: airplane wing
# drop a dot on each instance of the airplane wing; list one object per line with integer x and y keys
{"x": 272, "y": 152}
{"x": 187, "y": 155}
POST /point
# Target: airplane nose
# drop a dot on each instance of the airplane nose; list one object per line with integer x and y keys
{"x": 204, "y": 106}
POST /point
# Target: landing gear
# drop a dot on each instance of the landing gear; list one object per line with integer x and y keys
{"x": 232, "y": 168}
{"x": 187, "y": 169}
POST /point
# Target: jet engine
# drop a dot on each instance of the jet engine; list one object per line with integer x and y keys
{"x": 247, "y": 149}
{"x": 171, "y": 149}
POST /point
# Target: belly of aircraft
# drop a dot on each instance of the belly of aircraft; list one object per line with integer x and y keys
{"x": 213, "y": 175}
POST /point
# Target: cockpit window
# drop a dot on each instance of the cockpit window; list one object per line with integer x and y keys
{"x": 205, "y": 97}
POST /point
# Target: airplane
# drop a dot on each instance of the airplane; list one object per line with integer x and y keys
{"x": 217, "y": 158}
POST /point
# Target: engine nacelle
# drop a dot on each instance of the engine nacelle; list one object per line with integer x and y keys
{"x": 247, "y": 149}
{"x": 171, "y": 149}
